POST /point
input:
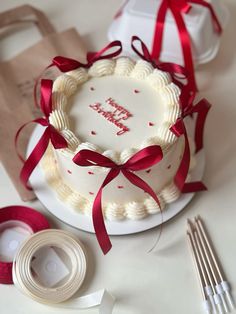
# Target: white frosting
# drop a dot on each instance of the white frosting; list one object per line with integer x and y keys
{"x": 59, "y": 101}
{"x": 71, "y": 139}
{"x": 66, "y": 84}
{"x": 141, "y": 70}
{"x": 159, "y": 79}
{"x": 59, "y": 119}
{"x": 124, "y": 66}
{"x": 153, "y": 102}
{"x": 102, "y": 67}
{"x": 80, "y": 75}
{"x": 135, "y": 210}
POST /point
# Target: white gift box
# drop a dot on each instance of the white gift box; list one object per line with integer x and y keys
{"x": 138, "y": 17}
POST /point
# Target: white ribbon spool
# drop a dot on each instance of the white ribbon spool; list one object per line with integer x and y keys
{"x": 26, "y": 283}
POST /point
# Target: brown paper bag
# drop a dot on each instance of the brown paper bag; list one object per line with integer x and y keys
{"x": 17, "y": 78}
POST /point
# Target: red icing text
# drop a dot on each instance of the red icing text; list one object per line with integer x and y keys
{"x": 116, "y": 116}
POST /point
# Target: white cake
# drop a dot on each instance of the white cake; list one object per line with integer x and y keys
{"x": 116, "y": 108}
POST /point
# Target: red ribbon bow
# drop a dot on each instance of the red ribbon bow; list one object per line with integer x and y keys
{"x": 179, "y": 129}
{"x": 143, "y": 159}
{"x": 50, "y": 134}
{"x": 66, "y": 64}
{"x": 177, "y": 7}
{"x": 176, "y": 71}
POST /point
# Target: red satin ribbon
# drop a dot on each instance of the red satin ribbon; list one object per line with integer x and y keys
{"x": 143, "y": 159}
{"x": 50, "y": 134}
{"x": 35, "y": 220}
{"x": 66, "y": 64}
{"x": 179, "y": 129}
{"x": 177, "y": 8}
{"x": 176, "y": 71}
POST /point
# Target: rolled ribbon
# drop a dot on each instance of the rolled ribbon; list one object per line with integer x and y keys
{"x": 58, "y": 296}
{"x": 177, "y": 8}
{"x": 35, "y": 222}
{"x": 201, "y": 108}
{"x": 145, "y": 158}
{"x": 50, "y": 134}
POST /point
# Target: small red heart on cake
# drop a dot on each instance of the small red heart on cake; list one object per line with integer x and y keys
{"x": 93, "y": 133}
{"x": 120, "y": 186}
{"x": 91, "y": 193}
{"x": 90, "y": 172}
{"x": 151, "y": 124}
{"x": 136, "y": 91}
{"x": 148, "y": 171}
{"x": 69, "y": 171}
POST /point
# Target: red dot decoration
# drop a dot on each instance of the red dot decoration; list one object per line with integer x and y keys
{"x": 69, "y": 171}
{"x": 151, "y": 124}
{"x": 90, "y": 172}
{"x": 169, "y": 167}
{"x": 120, "y": 186}
{"x": 148, "y": 171}
{"x": 136, "y": 91}
{"x": 93, "y": 133}
{"x": 92, "y": 88}
{"x": 91, "y": 193}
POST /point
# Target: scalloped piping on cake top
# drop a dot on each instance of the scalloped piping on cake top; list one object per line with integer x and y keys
{"x": 112, "y": 211}
{"x": 67, "y": 84}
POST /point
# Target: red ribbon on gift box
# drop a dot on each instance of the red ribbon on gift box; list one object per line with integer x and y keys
{"x": 177, "y": 8}
{"x": 50, "y": 134}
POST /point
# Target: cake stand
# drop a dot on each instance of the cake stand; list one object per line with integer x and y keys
{"x": 48, "y": 198}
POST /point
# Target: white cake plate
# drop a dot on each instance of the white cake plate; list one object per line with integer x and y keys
{"x": 48, "y": 198}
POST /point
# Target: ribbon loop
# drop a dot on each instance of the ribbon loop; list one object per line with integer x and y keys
{"x": 49, "y": 134}
{"x": 66, "y": 64}
{"x": 143, "y": 159}
{"x": 201, "y": 108}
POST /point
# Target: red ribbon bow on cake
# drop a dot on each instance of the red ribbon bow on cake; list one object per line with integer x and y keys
{"x": 177, "y": 8}
{"x": 67, "y": 64}
{"x": 50, "y": 134}
{"x": 144, "y": 159}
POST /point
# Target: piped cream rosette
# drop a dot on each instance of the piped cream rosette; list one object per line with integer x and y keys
{"x": 65, "y": 86}
{"x": 61, "y": 295}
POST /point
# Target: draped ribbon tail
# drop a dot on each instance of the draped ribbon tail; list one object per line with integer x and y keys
{"x": 159, "y": 31}
{"x": 191, "y": 187}
{"x": 179, "y": 129}
{"x": 137, "y": 181}
{"x": 34, "y": 158}
{"x": 215, "y": 20}
{"x": 186, "y": 48}
{"x": 202, "y": 108}
{"x": 98, "y": 219}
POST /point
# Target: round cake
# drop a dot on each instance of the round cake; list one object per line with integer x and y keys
{"x": 116, "y": 108}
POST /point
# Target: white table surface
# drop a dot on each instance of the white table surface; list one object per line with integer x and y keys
{"x": 163, "y": 281}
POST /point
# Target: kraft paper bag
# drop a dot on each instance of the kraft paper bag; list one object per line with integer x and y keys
{"x": 17, "y": 79}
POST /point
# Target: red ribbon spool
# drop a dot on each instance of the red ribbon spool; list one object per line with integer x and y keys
{"x": 33, "y": 219}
